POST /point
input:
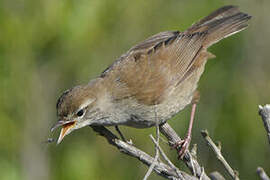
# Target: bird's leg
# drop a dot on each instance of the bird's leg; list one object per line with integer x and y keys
{"x": 183, "y": 145}
{"x": 120, "y": 133}
{"x": 122, "y": 136}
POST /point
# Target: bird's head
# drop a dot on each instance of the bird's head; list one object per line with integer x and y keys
{"x": 76, "y": 108}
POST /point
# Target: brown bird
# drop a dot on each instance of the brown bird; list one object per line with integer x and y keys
{"x": 152, "y": 82}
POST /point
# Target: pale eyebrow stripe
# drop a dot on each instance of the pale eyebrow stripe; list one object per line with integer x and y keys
{"x": 86, "y": 103}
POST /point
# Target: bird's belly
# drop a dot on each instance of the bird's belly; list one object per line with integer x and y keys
{"x": 152, "y": 115}
{"x": 143, "y": 116}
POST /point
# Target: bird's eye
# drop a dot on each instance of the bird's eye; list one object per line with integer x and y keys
{"x": 80, "y": 113}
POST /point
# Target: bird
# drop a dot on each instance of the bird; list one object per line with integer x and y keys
{"x": 152, "y": 81}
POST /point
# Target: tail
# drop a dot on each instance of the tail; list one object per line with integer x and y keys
{"x": 220, "y": 24}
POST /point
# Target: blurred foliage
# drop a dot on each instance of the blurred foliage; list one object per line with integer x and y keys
{"x": 49, "y": 46}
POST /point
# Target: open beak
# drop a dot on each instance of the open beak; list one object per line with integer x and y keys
{"x": 66, "y": 126}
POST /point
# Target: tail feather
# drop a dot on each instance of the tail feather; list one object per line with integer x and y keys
{"x": 220, "y": 24}
{"x": 220, "y": 13}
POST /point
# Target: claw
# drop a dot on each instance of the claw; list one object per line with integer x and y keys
{"x": 182, "y": 147}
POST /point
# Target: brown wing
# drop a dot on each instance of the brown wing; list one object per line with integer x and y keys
{"x": 152, "y": 68}
{"x": 142, "y": 46}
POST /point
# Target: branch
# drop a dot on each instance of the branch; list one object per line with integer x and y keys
{"x": 264, "y": 112}
{"x": 189, "y": 160}
{"x": 166, "y": 158}
{"x": 217, "y": 151}
{"x": 160, "y": 168}
{"x": 262, "y": 174}
{"x": 156, "y": 156}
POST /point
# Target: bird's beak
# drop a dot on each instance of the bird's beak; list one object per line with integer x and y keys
{"x": 66, "y": 127}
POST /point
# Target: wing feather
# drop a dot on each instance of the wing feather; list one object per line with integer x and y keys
{"x": 150, "y": 70}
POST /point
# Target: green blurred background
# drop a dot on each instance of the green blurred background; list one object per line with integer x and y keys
{"x": 51, "y": 45}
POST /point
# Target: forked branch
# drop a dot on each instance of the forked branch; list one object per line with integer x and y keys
{"x": 167, "y": 169}
{"x": 160, "y": 168}
{"x": 217, "y": 150}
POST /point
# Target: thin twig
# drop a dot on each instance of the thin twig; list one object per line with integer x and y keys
{"x": 188, "y": 159}
{"x": 156, "y": 154}
{"x": 264, "y": 112}
{"x": 167, "y": 159}
{"x": 160, "y": 168}
{"x": 262, "y": 174}
{"x": 217, "y": 151}
{"x": 202, "y": 174}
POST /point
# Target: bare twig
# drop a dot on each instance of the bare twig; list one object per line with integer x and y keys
{"x": 189, "y": 160}
{"x": 202, "y": 173}
{"x": 160, "y": 168}
{"x": 262, "y": 174}
{"x": 156, "y": 155}
{"x": 264, "y": 112}
{"x": 217, "y": 151}
{"x": 166, "y": 158}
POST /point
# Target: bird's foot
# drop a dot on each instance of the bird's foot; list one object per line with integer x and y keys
{"x": 182, "y": 146}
